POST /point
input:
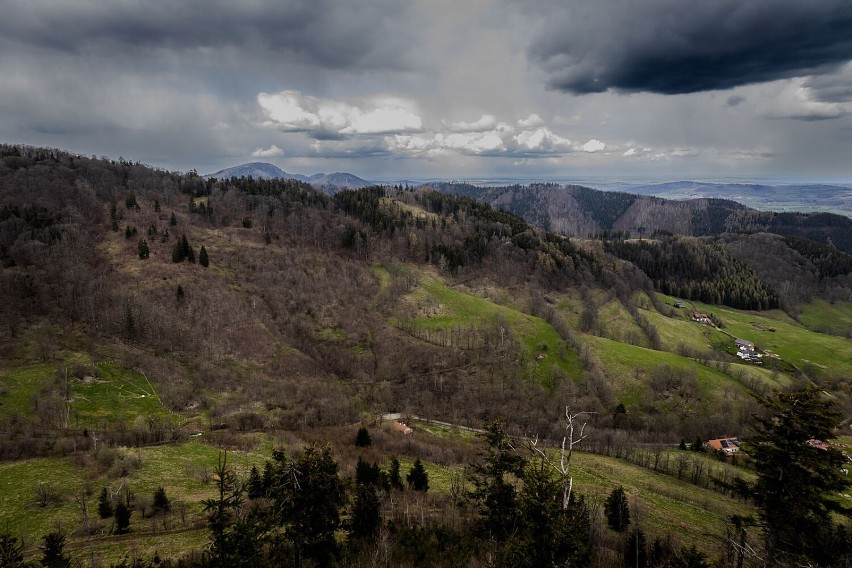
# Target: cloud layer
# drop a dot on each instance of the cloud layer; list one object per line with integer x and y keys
{"x": 436, "y": 87}
{"x": 675, "y": 47}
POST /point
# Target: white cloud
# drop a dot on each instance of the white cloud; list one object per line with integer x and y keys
{"x": 542, "y": 139}
{"x": 593, "y": 145}
{"x": 293, "y": 111}
{"x": 630, "y": 152}
{"x": 270, "y": 152}
{"x": 531, "y": 121}
{"x": 485, "y": 122}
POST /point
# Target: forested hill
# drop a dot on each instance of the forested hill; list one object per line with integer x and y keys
{"x": 581, "y": 211}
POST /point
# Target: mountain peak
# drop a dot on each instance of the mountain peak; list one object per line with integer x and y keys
{"x": 265, "y": 170}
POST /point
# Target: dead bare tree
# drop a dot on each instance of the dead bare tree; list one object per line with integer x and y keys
{"x": 574, "y": 434}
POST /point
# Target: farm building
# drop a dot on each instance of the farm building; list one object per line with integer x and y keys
{"x": 701, "y": 318}
{"x": 398, "y": 426}
{"x": 726, "y": 445}
{"x": 744, "y": 344}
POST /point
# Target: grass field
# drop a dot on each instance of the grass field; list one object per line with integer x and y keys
{"x": 111, "y": 394}
{"x": 447, "y": 308}
{"x": 817, "y": 353}
{"x": 184, "y": 471}
{"x": 823, "y": 316}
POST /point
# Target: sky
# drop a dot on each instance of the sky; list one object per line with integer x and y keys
{"x": 449, "y": 89}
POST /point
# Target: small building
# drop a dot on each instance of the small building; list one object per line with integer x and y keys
{"x": 744, "y": 344}
{"x": 398, "y": 426}
{"x": 701, "y": 318}
{"x": 678, "y": 304}
{"x": 818, "y": 444}
{"x": 725, "y": 445}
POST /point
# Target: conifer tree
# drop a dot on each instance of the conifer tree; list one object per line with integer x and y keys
{"x": 122, "y": 518}
{"x": 143, "y": 249}
{"x": 177, "y": 252}
{"x": 362, "y": 439}
{"x": 53, "y": 551}
{"x": 156, "y": 206}
{"x": 394, "y": 476}
{"x": 105, "y": 509}
{"x": 797, "y": 482}
{"x": 203, "y": 259}
{"x": 418, "y": 478}
{"x": 617, "y": 510}
{"x": 161, "y": 503}
{"x": 180, "y": 293}
{"x": 173, "y": 219}
{"x": 366, "y": 517}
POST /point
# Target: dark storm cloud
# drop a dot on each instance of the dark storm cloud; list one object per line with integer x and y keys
{"x": 678, "y": 46}
{"x": 315, "y": 32}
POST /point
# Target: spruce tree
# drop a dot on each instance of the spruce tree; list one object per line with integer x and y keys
{"x": 161, "y": 504}
{"x": 418, "y": 478}
{"x": 203, "y": 259}
{"x": 156, "y": 206}
{"x": 11, "y": 552}
{"x": 797, "y": 483}
{"x": 53, "y": 551}
{"x": 122, "y": 518}
{"x": 394, "y": 476}
{"x": 366, "y": 518}
{"x": 362, "y": 439}
{"x": 177, "y": 252}
{"x": 617, "y": 510}
{"x": 173, "y": 219}
{"x": 143, "y": 249}
{"x": 180, "y": 293}
{"x": 105, "y": 509}
{"x": 190, "y": 254}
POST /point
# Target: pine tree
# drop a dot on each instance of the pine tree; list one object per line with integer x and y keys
{"x": 122, "y": 518}
{"x": 254, "y": 486}
{"x": 394, "y": 476}
{"x": 797, "y": 482}
{"x": 308, "y": 496}
{"x": 161, "y": 503}
{"x": 105, "y": 509}
{"x": 53, "y": 551}
{"x": 180, "y": 293}
{"x": 617, "y": 510}
{"x": 494, "y": 489}
{"x": 417, "y": 478}
{"x": 362, "y": 439}
{"x": 173, "y": 219}
{"x": 366, "y": 517}
{"x": 203, "y": 259}
{"x": 190, "y": 254}
{"x": 143, "y": 249}
{"x": 636, "y": 550}
{"x": 156, "y": 206}
{"x": 11, "y": 553}
{"x": 177, "y": 252}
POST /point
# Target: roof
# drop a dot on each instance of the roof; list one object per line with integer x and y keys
{"x": 725, "y": 444}
{"x": 400, "y": 427}
{"x": 743, "y": 342}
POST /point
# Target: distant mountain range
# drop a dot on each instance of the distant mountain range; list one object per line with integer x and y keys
{"x": 581, "y": 211}
{"x": 832, "y": 198}
{"x": 269, "y": 171}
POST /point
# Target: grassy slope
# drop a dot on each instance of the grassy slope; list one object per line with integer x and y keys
{"x": 821, "y": 315}
{"x": 791, "y": 341}
{"x": 452, "y": 308}
{"x": 177, "y": 468}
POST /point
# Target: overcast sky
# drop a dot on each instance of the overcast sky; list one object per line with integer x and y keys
{"x": 438, "y": 88}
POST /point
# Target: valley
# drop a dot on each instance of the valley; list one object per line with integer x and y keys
{"x": 315, "y": 313}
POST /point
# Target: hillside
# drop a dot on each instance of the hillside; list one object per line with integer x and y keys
{"x": 262, "y": 170}
{"x": 583, "y": 212}
{"x": 153, "y": 318}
